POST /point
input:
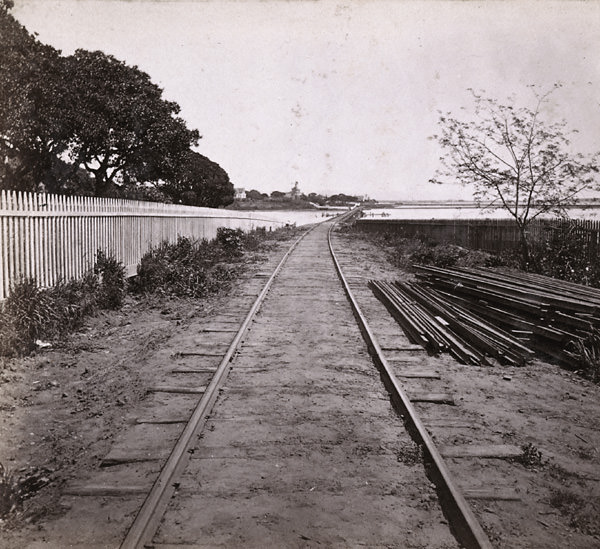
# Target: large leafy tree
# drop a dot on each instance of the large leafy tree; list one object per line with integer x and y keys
{"x": 90, "y": 124}
{"x": 32, "y": 123}
{"x": 121, "y": 127}
{"x": 514, "y": 159}
{"x": 199, "y": 182}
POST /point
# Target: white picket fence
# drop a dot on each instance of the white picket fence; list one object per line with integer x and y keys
{"x": 54, "y": 238}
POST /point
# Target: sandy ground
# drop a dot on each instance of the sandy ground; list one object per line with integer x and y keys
{"x": 551, "y": 501}
{"x": 62, "y": 411}
{"x": 302, "y": 447}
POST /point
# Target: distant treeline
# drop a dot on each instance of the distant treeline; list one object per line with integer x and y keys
{"x": 295, "y": 194}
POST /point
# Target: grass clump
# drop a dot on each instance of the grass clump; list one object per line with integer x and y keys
{"x": 17, "y": 486}
{"x": 582, "y": 512}
{"x": 585, "y": 353}
{"x": 30, "y": 313}
{"x": 9, "y": 492}
{"x": 111, "y": 278}
{"x": 531, "y": 457}
{"x": 23, "y": 317}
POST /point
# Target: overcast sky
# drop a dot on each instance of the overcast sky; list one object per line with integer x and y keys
{"x": 340, "y": 96}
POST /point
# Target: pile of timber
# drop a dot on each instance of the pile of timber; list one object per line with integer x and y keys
{"x": 507, "y": 316}
{"x": 432, "y": 320}
{"x": 547, "y": 313}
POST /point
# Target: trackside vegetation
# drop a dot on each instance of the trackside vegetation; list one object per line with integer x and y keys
{"x": 33, "y": 316}
{"x": 564, "y": 256}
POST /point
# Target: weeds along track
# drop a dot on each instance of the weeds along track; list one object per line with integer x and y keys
{"x": 272, "y": 428}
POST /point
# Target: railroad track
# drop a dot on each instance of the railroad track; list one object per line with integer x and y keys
{"x": 276, "y": 431}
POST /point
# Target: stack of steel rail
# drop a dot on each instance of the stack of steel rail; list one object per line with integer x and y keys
{"x": 441, "y": 325}
{"x": 545, "y": 313}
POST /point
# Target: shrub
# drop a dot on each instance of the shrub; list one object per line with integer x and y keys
{"x": 231, "y": 240}
{"x": 25, "y": 313}
{"x": 252, "y": 240}
{"x": 451, "y": 255}
{"x": 220, "y": 276}
{"x": 30, "y": 313}
{"x": 565, "y": 255}
{"x": 585, "y": 353}
{"x": 191, "y": 268}
{"x": 188, "y": 268}
{"x": 175, "y": 269}
{"x": 439, "y": 255}
{"x": 111, "y": 274}
{"x": 405, "y": 251}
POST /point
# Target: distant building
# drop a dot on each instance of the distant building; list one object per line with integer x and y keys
{"x": 295, "y": 193}
{"x": 239, "y": 193}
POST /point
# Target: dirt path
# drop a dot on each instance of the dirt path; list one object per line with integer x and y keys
{"x": 303, "y": 447}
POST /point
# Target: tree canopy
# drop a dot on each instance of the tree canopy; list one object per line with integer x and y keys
{"x": 256, "y": 195}
{"x": 90, "y": 124}
{"x": 32, "y": 133}
{"x": 200, "y": 182}
{"x": 514, "y": 159}
{"x": 343, "y": 198}
{"x": 119, "y": 124}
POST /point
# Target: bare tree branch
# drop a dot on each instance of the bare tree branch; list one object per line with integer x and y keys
{"x": 537, "y": 174}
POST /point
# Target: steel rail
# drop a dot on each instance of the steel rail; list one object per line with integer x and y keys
{"x": 466, "y": 528}
{"x": 150, "y": 514}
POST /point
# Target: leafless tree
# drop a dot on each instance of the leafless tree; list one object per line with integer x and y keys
{"x": 514, "y": 160}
